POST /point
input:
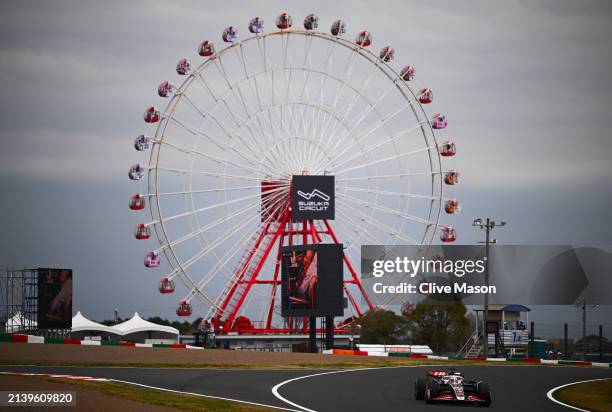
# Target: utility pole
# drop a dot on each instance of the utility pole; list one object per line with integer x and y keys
{"x": 584, "y": 330}
{"x": 565, "y": 341}
{"x": 600, "y": 343}
{"x": 487, "y": 226}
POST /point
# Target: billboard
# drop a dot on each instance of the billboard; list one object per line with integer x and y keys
{"x": 312, "y": 197}
{"x": 54, "y": 298}
{"x": 312, "y": 280}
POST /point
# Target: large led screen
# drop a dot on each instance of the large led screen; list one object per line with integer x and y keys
{"x": 312, "y": 280}
{"x": 54, "y": 298}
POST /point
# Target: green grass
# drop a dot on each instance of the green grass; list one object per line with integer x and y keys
{"x": 349, "y": 363}
{"x": 594, "y": 396}
{"x": 341, "y": 362}
{"x": 163, "y": 398}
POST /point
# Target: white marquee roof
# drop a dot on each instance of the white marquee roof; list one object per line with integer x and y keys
{"x": 138, "y": 324}
{"x": 81, "y": 323}
{"x": 19, "y": 322}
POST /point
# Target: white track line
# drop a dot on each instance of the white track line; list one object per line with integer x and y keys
{"x": 305, "y": 409}
{"x": 204, "y": 396}
{"x": 150, "y": 387}
{"x": 550, "y": 393}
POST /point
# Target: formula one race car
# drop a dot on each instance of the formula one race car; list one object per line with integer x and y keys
{"x": 451, "y": 386}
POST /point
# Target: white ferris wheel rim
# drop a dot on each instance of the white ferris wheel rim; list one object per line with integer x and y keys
{"x": 160, "y": 221}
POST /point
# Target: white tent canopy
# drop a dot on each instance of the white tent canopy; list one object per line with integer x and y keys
{"x": 18, "y": 322}
{"x": 80, "y": 324}
{"x": 138, "y": 324}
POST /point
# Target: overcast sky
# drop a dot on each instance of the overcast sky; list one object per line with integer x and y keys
{"x": 526, "y": 86}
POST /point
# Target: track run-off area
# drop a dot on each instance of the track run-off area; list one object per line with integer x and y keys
{"x": 367, "y": 389}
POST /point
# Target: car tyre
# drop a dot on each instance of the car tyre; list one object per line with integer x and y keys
{"x": 431, "y": 392}
{"x": 484, "y": 393}
{"x": 419, "y": 389}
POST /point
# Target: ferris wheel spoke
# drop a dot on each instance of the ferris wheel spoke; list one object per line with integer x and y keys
{"x": 359, "y": 231}
{"x": 307, "y": 63}
{"x": 189, "y": 192}
{"x": 390, "y": 193}
{"x": 378, "y": 224}
{"x": 204, "y": 173}
{"x": 279, "y": 156}
{"x": 282, "y": 126}
{"x": 341, "y": 122}
{"x": 371, "y": 106}
{"x": 285, "y": 48}
{"x": 204, "y": 229}
{"x": 211, "y": 207}
{"x": 391, "y": 138}
{"x": 384, "y": 159}
{"x": 211, "y": 246}
{"x": 389, "y": 176}
{"x": 215, "y": 159}
{"x": 269, "y": 83}
{"x": 209, "y": 116}
{"x": 240, "y": 245}
{"x": 288, "y": 74}
{"x": 231, "y": 86}
{"x": 362, "y": 87}
{"x": 255, "y": 90}
{"x": 320, "y": 93}
{"x": 288, "y": 152}
{"x": 251, "y": 159}
{"x": 237, "y": 93}
{"x": 269, "y": 78}
{"x": 380, "y": 123}
{"x": 221, "y": 101}
{"x": 195, "y": 132}
{"x": 194, "y": 291}
{"x": 393, "y": 212}
{"x": 235, "y": 277}
{"x": 222, "y": 263}
{"x": 306, "y": 71}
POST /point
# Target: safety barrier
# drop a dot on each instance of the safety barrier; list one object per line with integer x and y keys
{"x": 377, "y": 352}
{"x": 22, "y": 338}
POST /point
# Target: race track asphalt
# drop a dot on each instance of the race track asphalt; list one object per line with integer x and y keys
{"x": 384, "y": 389}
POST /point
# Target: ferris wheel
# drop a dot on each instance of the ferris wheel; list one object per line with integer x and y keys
{"x": 248, "y": 117}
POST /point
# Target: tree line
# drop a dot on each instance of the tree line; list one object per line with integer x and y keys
{"x": 443, "y": 327}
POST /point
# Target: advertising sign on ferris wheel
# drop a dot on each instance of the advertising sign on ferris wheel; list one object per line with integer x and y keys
{"x": 312, "y": 197}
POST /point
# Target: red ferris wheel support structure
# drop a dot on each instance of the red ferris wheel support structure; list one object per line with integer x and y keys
{"x": 270, "y": 238}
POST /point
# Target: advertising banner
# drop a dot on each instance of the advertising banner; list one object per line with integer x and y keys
{"x": 312, "y": 197}
{"x": 55, "y": 298}
{"x": 312, "y": 280}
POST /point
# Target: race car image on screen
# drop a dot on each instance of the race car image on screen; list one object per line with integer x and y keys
{"x": 451, "y": 386}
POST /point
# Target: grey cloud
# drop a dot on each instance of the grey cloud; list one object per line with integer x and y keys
{"x": 525, "y": 85}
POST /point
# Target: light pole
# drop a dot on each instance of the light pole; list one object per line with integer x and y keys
{"x": 488, "y": 225}
{"x": 583, "y": 307}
